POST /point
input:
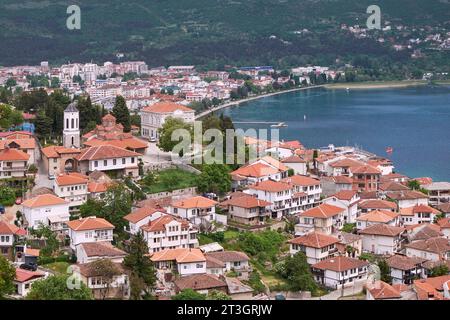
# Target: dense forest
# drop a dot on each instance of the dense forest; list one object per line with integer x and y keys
{"x": 208, "y": 33}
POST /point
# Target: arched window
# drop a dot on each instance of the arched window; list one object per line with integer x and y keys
{"x": 73, "y": 141}
{"x": 73, "y": 122}
{"x": 67, "y": 123}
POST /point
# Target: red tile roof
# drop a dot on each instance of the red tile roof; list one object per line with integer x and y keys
{"x": 315, "y": 240}
{"x": 340, "y": 264}
{"x": 13, "y": 155}
{"x": 194, "y": 202}
{"x": 382, "y": 230}
{"x": 179, "y": 255}
{"x": 142, "y": 213}
{"x": 26, "y": 275}
{"x": 43, "y": 200}
{"x": 247, "y": 202}
{"x": 72, "y": 178}
{"x": 89, "y": 223}
{"x": 166, "y": 107}
{"x": 255, "y": 170}
{"x": 105, "y": 152}
{"x": 6, "y": 228}
{"x": 322, "y": 211}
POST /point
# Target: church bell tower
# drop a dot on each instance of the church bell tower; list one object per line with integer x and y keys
{"x": 71, "y": 133}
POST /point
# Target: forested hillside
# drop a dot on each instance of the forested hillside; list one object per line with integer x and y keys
{"x": 203, "y": 32}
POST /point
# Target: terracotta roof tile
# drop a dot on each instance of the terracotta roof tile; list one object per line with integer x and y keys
{"x": 166, "y": 107}
{"x": 89, "y": 223}
{"x": 13, "y": 155}
{"x": 340, "y": 264}
{"x": 105, "y": 152}
{"x": 195, "y": 202}
{"x": 43, "y": 200}
{"x": 315, "y": 240}
{"x": 322, "y": 211}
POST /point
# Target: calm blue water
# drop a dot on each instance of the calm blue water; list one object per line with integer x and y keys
{"x": 414, "y": 121}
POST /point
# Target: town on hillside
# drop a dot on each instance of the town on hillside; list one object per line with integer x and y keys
{"x": 93, "y": 205}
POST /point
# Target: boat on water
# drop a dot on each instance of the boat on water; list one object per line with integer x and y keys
{"x": 389, "y": 150}
{"x": 279, "y": 125}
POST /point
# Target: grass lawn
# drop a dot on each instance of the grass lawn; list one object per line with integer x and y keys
{"x": 57, "y": 267}
{"x": 172, "y": 179}
{"x": 203, "y": 239}
{"x": 231, "y": 234}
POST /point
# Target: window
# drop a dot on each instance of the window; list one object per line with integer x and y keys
{"x": 114, "y": 161}
{"x": 95, "y": 163}
{"x": 105, "y": 162}
{"x": 199, "y": 265}
{"x": 123, "y": 160}
{"x": 132, "y": 160}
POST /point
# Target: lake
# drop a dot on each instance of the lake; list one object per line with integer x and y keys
{"x": 414, "y": 121}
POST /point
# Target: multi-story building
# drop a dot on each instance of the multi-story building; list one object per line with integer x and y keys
{"x": 195, "y": 209}
{"x": 169, "y": 232}
{"x": 247, "y": 210}
{"x": 154, "y": 116}
{"x": 325, "y": 218}
{"x": 90, "y": 229}
{"x": 315, "y": 245}
{"x": 72, "y": 187}
{"x": 382, "y": 239}
{"x": 48, "y": 210}
{"x": 109, "y": 159}
{"x": 13, "y": 163}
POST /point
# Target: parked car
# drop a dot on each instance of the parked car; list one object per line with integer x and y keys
{"x": 2, "y": 209}
{"x": 152, "y": 139}
{"x": 29, "y": 266}
{"x": 19, "y": 200}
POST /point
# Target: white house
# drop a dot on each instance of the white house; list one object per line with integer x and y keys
{"x": 195, "y": 209}
{"x": 348, "y": 200}
{"x": 13, "y": 163}
{"x": 338, "y": 271}
{"x": 141, "y": 217}
{"x": 316, "y": 246}
{"x": 185, "y": 261}
{"x": 297, "y": 164}
{"x": 9, "y": 233}
{"x": 377, "y": 217}
{"x": 72, "y": 187}
{"x": 445, "y": 227}
{"x": 24, "y": 279}
{"x": 154, "y": 116}
{"x": 169, "y": 232}
{"x": 256, "y": 172}
{"x": 90, "y": 229}
{"x": 44, "y": 209}
{"x": 325, "y": 218}
{"x": 382, "y": 239}
{"x": 91, "y": 251}
{"x": 418, "y": 214}
{"x": 108, "y": 158}
{"x": 233, "y": 261}
{"x": 247, "y": 209}
{"x": 408, "y": 198}
{"x": 404, "y": 269}
{"x": 103, "y": 288}
{"x": 434, "y": 249}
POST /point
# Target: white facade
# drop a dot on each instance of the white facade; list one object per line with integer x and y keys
{"x": 380, "y": 244}
{"x": 37, "y": 215}
{"x": 75, "y": 194}
{"x": 172, "y": 237}
{"x": 87, "y": 236}
{"x": 71, "y": 133}
{"x": 152, "y": 121}
{"x": 313, "y": 255}
{"x": 112, "y": 164}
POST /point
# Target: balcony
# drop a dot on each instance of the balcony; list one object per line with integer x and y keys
{"x": 14, "y": 169}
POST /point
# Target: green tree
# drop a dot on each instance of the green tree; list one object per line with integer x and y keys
{"x": 143, "y": 274}
{"x": 92, "y": 207}
{"x": 56, "y": 288}
{"x": 51, "y": 242}
{"x": 385, "y": 271}
{"x": 7, "y": 196}
{"x": 10, "y": 83}
{"x": 441, "y": 270}
{"x": 217, "y": 295}
{"x": 43, "y": 125}
{"x": 414, "y": 184}
{"x": 117, "y": 205}
{"x": 298, "y": 273}
{"x": 189, "y": 294}
{"x": 214, "y": 178}
{"x": 122, "y": 114}
{"x": 107, "y": 270}
{"x": 7, "y": 276}
{"x": 166, "y": 143}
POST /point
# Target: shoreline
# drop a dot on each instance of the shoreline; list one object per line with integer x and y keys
{"x": 377, "y": 85}
{"x": 238, "y": 102}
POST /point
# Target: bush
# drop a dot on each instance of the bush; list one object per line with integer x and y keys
{"x": 7, "y": 196}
